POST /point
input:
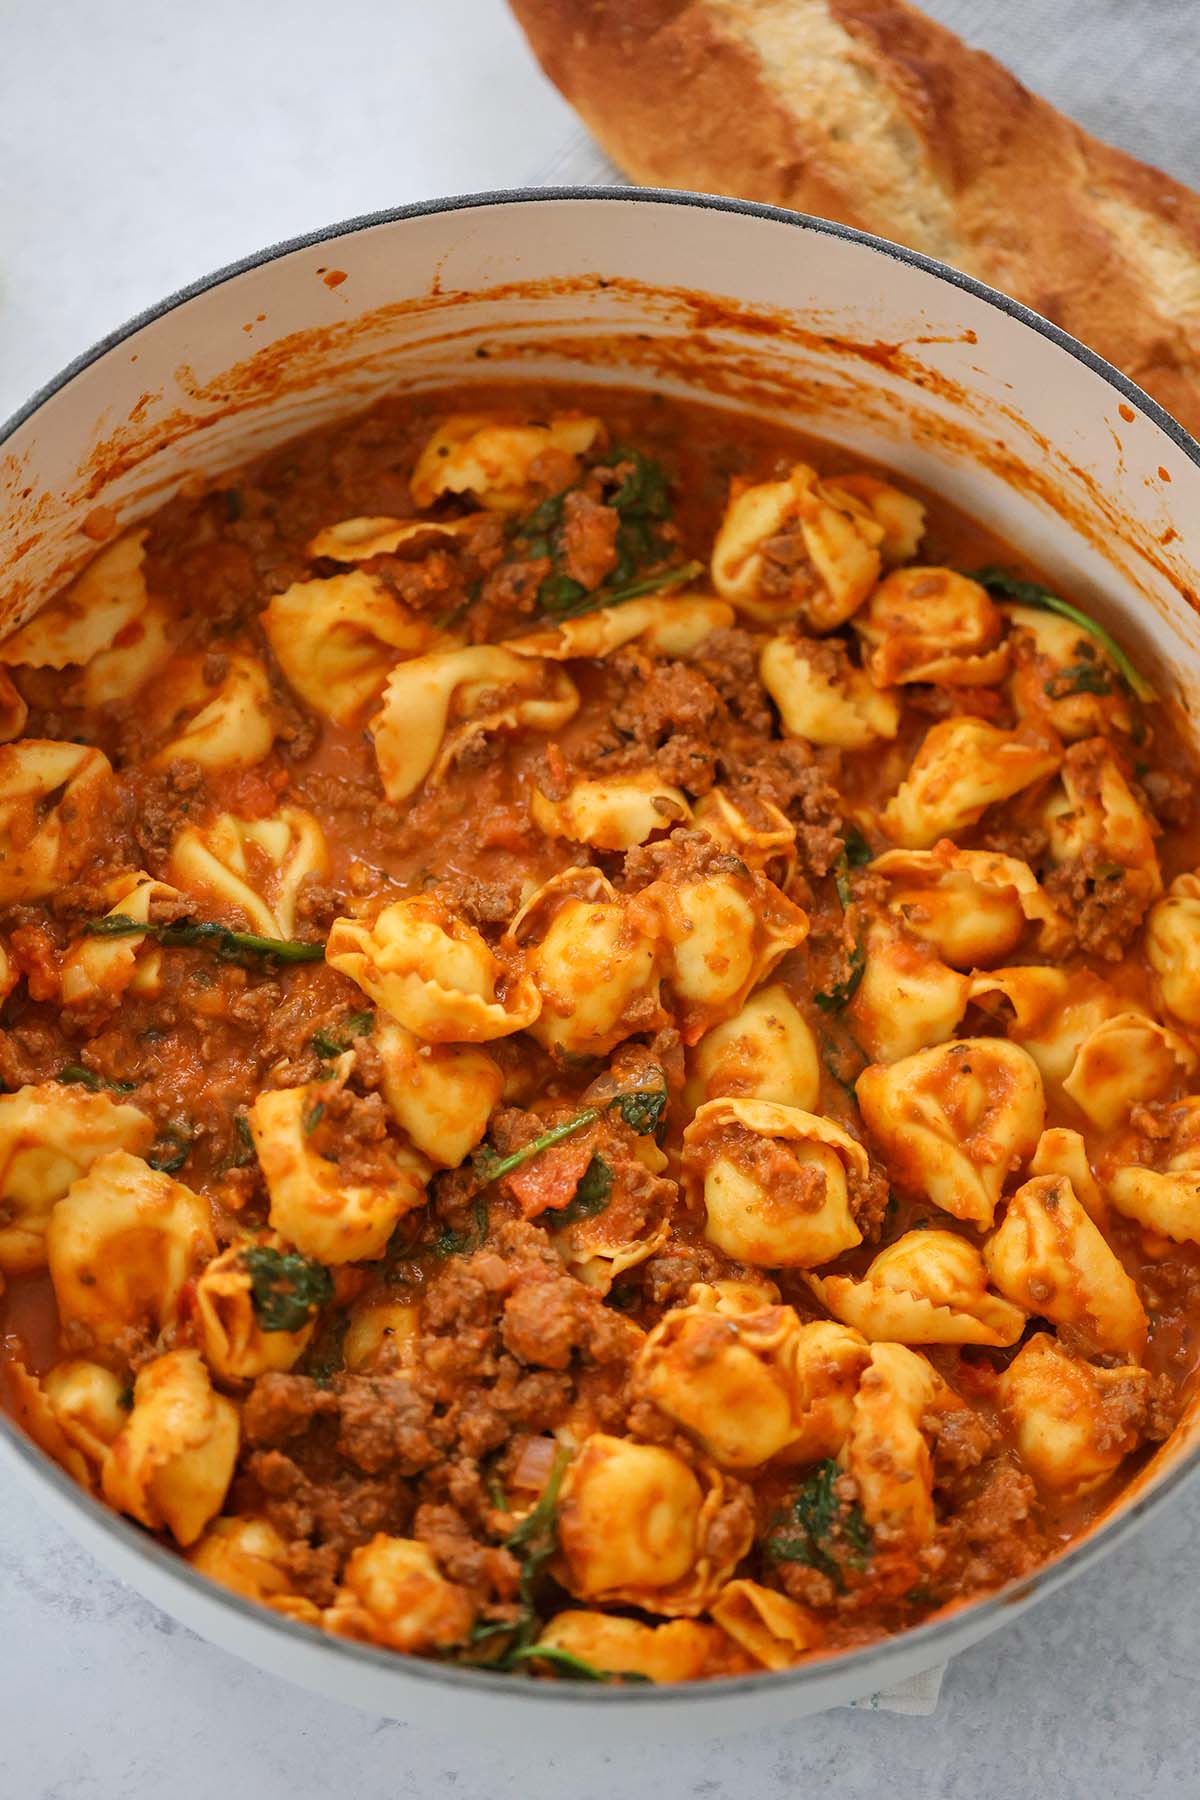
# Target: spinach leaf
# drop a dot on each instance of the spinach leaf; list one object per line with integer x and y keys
{"x": 243, "y": 947}
{"x": 75, "y": 1075}
{"x": 330, "y": 1043}
{"x": 591, "y": 1196}
{"x": 822, "y": 1530}
{"x": 1030, "y": 593}
{"x": 286, "y": 1288}
{"x": 570, "y": 1664}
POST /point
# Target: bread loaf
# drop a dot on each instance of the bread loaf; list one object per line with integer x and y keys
{"x": 868, "y": 112}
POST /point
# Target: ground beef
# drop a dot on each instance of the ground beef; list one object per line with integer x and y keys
{"x": 486, "y": 1571}
{"x": 337, "y": 1511}
{"x": 478, "y": 901}
{"x": 163, "y": 803}
{"x": 666, "y": 1277}
{"x": 352, "y": 1131}
{"x": 684, "y": 856}
{"x": 279, "y": 1407}
{"x": 1169, "y": 793}
{"x": 1104, "y": 908}
{"x": 728, "y": 661}
{"x": 800, "y": 782}
{"x": 384, "y": 1421}
{"x": 869, "y": 1195}
{"x": 993, "y": 1537}
{"x": 589, "y": 539}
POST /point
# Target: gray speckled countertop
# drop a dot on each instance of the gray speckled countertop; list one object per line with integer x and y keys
{"x": 142, "y": 145}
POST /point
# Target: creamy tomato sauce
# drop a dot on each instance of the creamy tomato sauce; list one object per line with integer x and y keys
{"x": 654, "y": 1150}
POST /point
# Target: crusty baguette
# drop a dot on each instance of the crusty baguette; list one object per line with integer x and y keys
{"x": 868, "y": 112}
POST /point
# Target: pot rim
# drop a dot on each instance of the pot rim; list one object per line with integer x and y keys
{"x": 936, "y": 1637}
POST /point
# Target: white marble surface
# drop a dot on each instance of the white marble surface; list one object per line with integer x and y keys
{"x": 142, "y": 144}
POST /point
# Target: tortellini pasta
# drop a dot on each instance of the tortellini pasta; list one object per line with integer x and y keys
{"x": 14, "y": 713}
{"x": 1167, "y": 1201}
{"x": 434, "y": 973}
{"x": 1095, "y": 821}
{"x": 54, "y": 798}
{"x": 440, "y": 1095}
{"x": 104, "y": 968}
{"x": 599, "y": 1250}
{"x": 774, "y": 1182}
{"x": 973, "y": 906}
{"x": 393, "y": 1593}
{"x": 224, "y": 723}
{"x": 49, "y": 1137}
{"x": 248, "y": 1556}
{"x": 932, "y": 625}
{"x": 677, "y": 1650}
{"x": 121, "y": 1244}
{"x": 900, "y": 516}
{"x": 503, "y": 465}
{"x": 100, "y": 604}
{"x": 962, "y": 767}
{"x": 593, "y": 960}
{"x": 664, "y": 625}
{"x": 139, "y": 651}
{"x": 336, "y": 640}
{"x": 333, "y": 1219}
{"x": 721, "y": 931}
{"x": 612, "y": 814}
{"x": 435, "y": 705}
{"x": 635, "y": 1526}
{"x": 379, "y": 1331}
{"x": 886, "y": 1451}
{"x": 1064, "y": 674}
{"x": 823, "y": 698}
{"x": 171, "y": 1465}
{"x": 752, "y": 1384}
{"x": 1048, "y": 1257}
{"x": 34, "y": 1411}
{"x": 1073, "y": 1421}
{"x": 1102, "y": 1052}
{"x": 254, "y": 867}
{"x": 90, "y": 1406}
{"x": 359, "y": 539}
{"x": 953, "y": 1121}
{"x": 755, "y": 830}
{"x": 832, "y": 558}
{"x": 929, "y": 1287}
{"x": 907, "y": 998}
{"x": 235, "y": 1346}
{"x": 1173, "y": 948}
{"x": 764, "y": 1052}
{"x": 1064, "y": 1152}
{"x": 775, "y": 1631}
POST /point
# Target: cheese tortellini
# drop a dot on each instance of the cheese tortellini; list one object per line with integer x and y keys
{"x": 1064, "y": 674}
{"x": 171, "y": 1465}
{"x": 433, "y": 973}
{"x": 248, "y": 1556}
{"x": 336, "y": 640}
{"x": 757, "y": 831}
{"x": 101, "y": 603}
{"x": 434, "y": 706}
{"x": 593, "y": 960}
{"x": 440, "y": 1095}
{"x": 797, "y": 546}
{"x": 235, "y": 1346}
{"x": 764, "y": 1052}
{"x": 962, "y": 767}
{"x": 253, "y": 867}
{"x": 502, "y": 464}
{"x": 325, "y": 1215}
{"x": 773, "y": 1181}
{"x": 907, "y": 998}
{"x": 1048, "y": 1257}
{"x": 1096, "y": 822}
{"x": 54, "y": 798}
{"x": 823, "y": 697}
{"x": 1102, "y": 1052}
{"x": 393, "y": 1593}
{"x": 932, "y": 625}
{"x": 1173, "y": 948}
{"x": 102, "y": 969}
{"x": 50, "y": 1136}
{"x": 775, "y": 1631}
{"x": 636, "y": 1526}
{"x": 122, "y": 1243}
{"x": 972, "y": 906}
{"x": 952, "y": 1122}
{"x": 1074, "y": 1422}
{"x": 887, "y": 1452}
{"x": 663, "y": 625}
{"x": 751, "y": 1383}
{"x": 612, "y": 814}
{"x": 676, "y": 1650}
{"x": 1165, "y": 1201}
{"x": 721, "y": 931}
{"x": 219, "y": 717}
{"x": 929, "y": 1287}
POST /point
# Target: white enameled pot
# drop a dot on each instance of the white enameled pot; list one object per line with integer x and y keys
{"x": 844, "y": 336}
